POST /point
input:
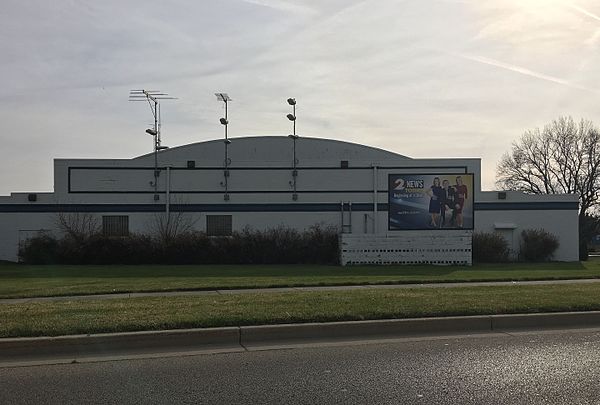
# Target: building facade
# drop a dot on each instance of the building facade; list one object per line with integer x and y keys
{"x": 261, "y": 185}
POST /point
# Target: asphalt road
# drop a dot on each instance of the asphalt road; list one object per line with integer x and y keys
{"x": 525, "y": 368}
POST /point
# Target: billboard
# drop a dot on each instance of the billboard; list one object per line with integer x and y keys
{"x": 430, "y": 201}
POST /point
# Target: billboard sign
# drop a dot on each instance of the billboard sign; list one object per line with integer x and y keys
{"x": 430, "y": 201}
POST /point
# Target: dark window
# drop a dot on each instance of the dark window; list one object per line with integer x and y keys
{"x": 115, "y": 225}
{"x": 218, "y": 225}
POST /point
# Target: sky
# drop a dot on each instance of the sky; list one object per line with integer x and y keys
{"x": 423, "y": 78}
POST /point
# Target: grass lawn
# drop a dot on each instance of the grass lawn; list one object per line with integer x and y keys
{"x": 30, "y": 281}
{"x": 119, "y": 315}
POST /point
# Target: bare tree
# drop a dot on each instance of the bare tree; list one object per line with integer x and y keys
{"x": 167, "y": 225}
{"x": 77, "y": 225}
{"x": 563, "y": 157}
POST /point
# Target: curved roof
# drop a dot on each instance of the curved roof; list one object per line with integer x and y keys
{"x": 275, "y": 150}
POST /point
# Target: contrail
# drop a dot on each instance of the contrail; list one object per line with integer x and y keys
{"x": 523, "y": 71}
{"x": 283, "y": 6}
{"x": 583, "y": 11}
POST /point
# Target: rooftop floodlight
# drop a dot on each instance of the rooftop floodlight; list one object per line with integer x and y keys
{"x": 162, "y": 147}
{"x": 151, "y": 131}
{"x": 292, "y": 117}
{"x": 225, "y": 99}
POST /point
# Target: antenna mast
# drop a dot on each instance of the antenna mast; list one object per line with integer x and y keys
{"x": 153, "y": 97}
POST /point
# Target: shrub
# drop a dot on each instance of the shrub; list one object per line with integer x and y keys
{"x": 537, "y": 245}
{"x": 41, "y": 249}
{"x": 489, "y": 247}
{"x": 279, "y": 245}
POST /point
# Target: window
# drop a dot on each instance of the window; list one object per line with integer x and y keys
{"x": 115, "y": 225}
{"x": 218, "y": 225}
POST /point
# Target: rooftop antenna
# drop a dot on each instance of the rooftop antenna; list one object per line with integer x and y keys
{"x": 292, "y": 117}
{"x": 153, "y": 97}
{"x": 224, "y": 121}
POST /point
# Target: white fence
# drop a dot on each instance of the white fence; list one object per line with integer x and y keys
{"x": 443, "y": 247}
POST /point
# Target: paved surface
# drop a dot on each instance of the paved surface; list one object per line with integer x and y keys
{"x": 526, "y": 368}
{"x": 290, "y": 289}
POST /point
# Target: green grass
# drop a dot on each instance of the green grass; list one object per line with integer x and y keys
{"x": 30, "y": 281}
{"x": 119, "y": 315}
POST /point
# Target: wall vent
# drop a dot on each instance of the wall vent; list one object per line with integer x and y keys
{"x": 191, "y": 164}
{"x": 344, "y": 164}
{"x": 502, "y": 195}
{"x": 218, "y": 225}
{"x": 32, "y": 197}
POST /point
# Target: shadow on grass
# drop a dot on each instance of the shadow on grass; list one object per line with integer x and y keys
{"x": 224, "y": 271}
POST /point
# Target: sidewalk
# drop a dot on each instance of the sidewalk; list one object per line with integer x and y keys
{"x": 288, "y": 290}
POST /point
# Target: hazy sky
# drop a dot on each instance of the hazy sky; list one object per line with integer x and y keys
{"x": 424, "y": 78}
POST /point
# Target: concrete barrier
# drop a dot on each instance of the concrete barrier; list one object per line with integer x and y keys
{"x": 378, "y": 329}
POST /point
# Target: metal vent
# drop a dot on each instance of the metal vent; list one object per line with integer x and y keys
{"x": 218, "y": 225}
{"x": 191, "y": 164}
{"x": 32, "y": 197}
{"x": 344, "y": 164}
{"x": 502, "y": 195}
{"x": 115, "y": 225}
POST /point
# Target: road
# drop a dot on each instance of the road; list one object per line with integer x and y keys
{"x": 561, "y": 367}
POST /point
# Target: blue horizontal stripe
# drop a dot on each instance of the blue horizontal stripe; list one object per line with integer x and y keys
{"x": 526, "y": 206}
{"x": 273, "y": 207}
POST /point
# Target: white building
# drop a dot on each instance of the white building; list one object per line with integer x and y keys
{"x": 336, "y": 183}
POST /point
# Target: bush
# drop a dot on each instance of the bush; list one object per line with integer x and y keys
{"x": 42, "y": 249}
{"x": 489, "y": 247}
{"x": 537, "y": 245}
{"x": 279, "y": 245}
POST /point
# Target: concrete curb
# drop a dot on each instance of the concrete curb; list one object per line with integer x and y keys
{"x": 265, "y": 335}
{"x": 74, "y": 346}
{"x": 39, "y": 349}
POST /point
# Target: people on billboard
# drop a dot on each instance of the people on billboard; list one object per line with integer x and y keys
{"x": 430, "y": 201}
{"x": 447, "y": 203}
{"x": 436, "y": 196}
{"x": 461, "y": 196}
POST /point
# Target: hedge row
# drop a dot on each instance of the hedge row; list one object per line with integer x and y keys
{"x": 275, "y": 246}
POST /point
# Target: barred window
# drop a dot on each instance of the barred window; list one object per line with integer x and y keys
{"x": 115, "y": 225}
{"x": 218, "y": 225}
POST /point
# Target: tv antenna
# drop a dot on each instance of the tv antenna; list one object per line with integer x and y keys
{"x": 153, "y": 98}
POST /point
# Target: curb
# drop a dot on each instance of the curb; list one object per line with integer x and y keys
{"x": 39, "y": 349}
{"x": 115, "y": 344}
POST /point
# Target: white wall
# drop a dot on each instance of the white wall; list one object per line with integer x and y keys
{"x": 260, "y": 173}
